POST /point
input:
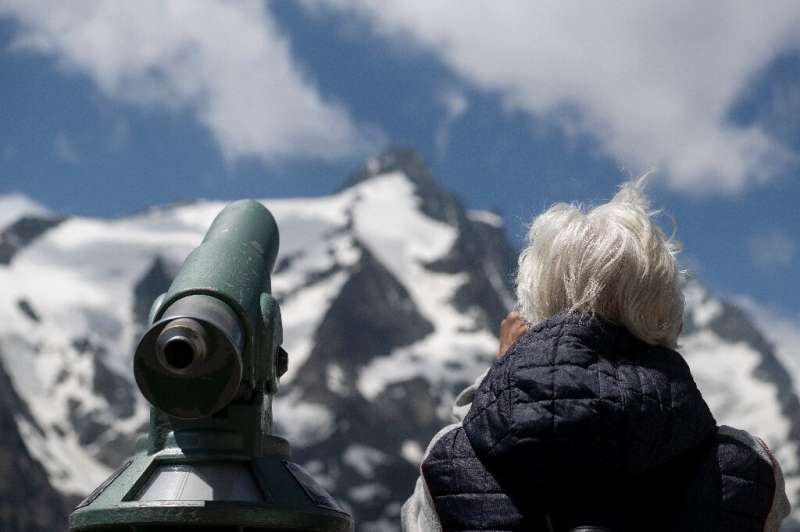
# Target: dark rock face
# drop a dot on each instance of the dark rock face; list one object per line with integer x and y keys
{"x": 153, "y": 283}
{"x": 85, "y": 424}
{"x": 26, "y": 308}
{"x": 117, "y": 390}
{"x": 92, "y": 426}
{"x": 21, "y": 233}
{"x": 106, "y": 383}
{"x": 372, "y": 315}
{"x": 27, "y": 501}
{"x": 483, "y": 252}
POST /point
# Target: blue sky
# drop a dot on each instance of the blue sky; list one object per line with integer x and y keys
{"x": 109, "y": 107}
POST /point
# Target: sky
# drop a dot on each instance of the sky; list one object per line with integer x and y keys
{"x": 107, "y": 108}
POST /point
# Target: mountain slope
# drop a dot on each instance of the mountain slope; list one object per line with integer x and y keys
{"x": 32, "y": 504}
{"x": 391, "y": 293}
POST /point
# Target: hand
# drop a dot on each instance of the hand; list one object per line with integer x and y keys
{"x": 511, "y": 328}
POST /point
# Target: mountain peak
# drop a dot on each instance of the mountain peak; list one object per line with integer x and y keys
{"x": 15, "y": 205}
{"x": 435, "y": 201}
{"x": 396, "y": 159}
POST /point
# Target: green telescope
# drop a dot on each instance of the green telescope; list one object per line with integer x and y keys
{"x": 209, "y": 366}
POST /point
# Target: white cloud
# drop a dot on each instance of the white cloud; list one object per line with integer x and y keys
{"x": 226, "y": 61}
{"x": 652, "y": 82}
{"x": 455, "y": 104}
{"x": 771, "y": 249}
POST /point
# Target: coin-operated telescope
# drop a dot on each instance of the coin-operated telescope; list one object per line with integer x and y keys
{"x": 209, "y": 365}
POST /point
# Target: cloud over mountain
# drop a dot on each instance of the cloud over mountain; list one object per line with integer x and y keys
{"x": 652, "y": 83}
{"x": 226, "y": 62}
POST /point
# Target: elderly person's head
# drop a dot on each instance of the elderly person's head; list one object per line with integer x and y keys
{"x": 613, "y": 261}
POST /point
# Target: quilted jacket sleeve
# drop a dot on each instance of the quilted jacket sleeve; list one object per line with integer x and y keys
{"x": 780, "y": 502}
{"x": 418, "y": 513}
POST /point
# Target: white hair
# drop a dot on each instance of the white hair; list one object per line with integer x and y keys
{"x": 613, "y": 261}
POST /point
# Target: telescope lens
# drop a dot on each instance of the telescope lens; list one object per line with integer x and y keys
{"x": 179, "y": 353}
{"x": 181, "y": 346}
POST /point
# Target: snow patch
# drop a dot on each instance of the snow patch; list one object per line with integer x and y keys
{"x": 368, "y": 492}
{"x": 704, "y": 308}
{"x": 364, "y": 459}
{"x": 485, "y": 217}
{"x": 444, "y": 357}
{"x": 782, "y": 331}
{"x": 70, "y": 468}
{"x": 412, "y": 452}
{"x": 725, "y": 374}
{"x": 301, "y": 422}
{"x": 335, "y": 379}
{"x": 316, "y": 468}
{"x": 15, "y": 206}
{"x": 410, "y": 238}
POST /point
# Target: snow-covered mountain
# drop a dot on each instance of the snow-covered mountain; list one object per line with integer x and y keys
{"x": 391, "y": 293}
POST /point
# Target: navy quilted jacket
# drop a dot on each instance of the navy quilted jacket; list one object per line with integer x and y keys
{"x": 583, "y": 423}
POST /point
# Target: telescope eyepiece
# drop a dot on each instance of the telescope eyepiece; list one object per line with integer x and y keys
{"x": 189, "y": 363}
{"x": 182, "y": 346}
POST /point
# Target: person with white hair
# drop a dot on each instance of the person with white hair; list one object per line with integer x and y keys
{"x": 589, "y": 420}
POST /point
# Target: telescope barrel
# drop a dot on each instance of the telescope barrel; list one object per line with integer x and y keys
{"x": 208, "y": 334}
{"x": 234, "y": 261}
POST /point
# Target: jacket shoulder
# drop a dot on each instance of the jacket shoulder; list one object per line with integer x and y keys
{"x": 735, "y": 485}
